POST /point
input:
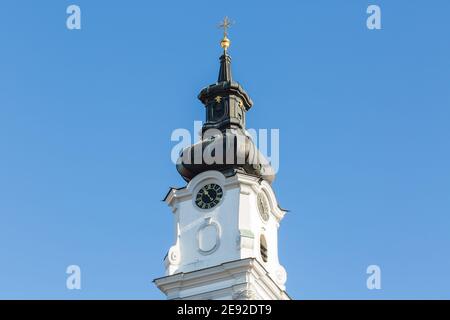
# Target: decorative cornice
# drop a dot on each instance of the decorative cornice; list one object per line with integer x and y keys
{"x": 202, "y": 277}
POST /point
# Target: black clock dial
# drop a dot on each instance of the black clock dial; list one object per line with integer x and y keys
{"x": 209, "y": 196}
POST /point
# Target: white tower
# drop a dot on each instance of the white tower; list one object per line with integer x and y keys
{"x": 227, "y": 216}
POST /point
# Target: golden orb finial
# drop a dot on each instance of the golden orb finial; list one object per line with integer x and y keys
{"x": 225, "y": 24}
{"x": 225, "y": 43}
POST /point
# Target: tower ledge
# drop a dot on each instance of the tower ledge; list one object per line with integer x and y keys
{"x": 244, "y": 279}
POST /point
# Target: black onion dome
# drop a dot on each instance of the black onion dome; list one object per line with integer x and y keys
{"x": 229, "y": 152}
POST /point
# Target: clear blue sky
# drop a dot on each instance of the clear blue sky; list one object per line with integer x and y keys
{"x": 86, "y": 118}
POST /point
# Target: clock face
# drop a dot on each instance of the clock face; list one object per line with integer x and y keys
{"x": 263, "y": 206}
{"x": 209, "y": 196}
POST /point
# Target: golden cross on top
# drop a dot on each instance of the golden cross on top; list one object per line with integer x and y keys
{"x": 225, "y": 25}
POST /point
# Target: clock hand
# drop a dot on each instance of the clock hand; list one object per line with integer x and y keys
{"x": 210, "y": 198}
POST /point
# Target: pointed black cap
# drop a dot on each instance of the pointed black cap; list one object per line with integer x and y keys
{"x": 225, "y": 86}
{"x": 225, "y": 68}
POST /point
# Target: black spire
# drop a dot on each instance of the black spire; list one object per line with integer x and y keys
{"x": 225, "y": 68}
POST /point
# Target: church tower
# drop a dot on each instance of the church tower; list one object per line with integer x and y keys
{"x": 227, "y": 216}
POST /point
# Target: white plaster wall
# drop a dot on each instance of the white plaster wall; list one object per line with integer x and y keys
{"x": 236, "y": 215}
